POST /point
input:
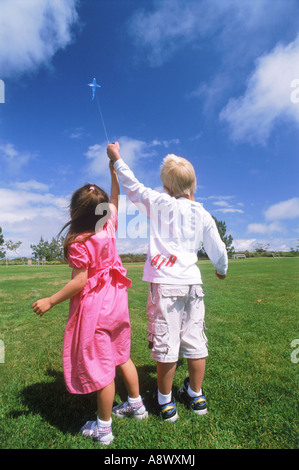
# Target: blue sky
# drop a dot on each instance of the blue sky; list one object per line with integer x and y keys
{"x": 214, "y": 81}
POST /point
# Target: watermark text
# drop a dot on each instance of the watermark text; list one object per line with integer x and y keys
{"x": 140, "y": 221}
{"x": 295, "y": 94}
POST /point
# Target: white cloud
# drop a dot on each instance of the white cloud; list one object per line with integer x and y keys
{"x": 130, "y": 149}
{"x": 226, "y": 205}
{"x": 238, "y": 32}
{"x": 283, "y": 210}
{"x": 164, "y": 30}
{"x": 273, "y": 215}
{"x": 32, "y": 31}
{"x": 31, "y": 184}
{"x": 77, "y": 133}
{"x": 16, "y": 206}
{"x": 229, "y": 210}
{"x": 164, "y": 143}
{"x": 97, "y": 159}
{"x": 225, "y": 198}
{"x": 172, "y": 24}
{"x": 131, "y": 246}
{"x": 212, "y": 92}
{"x": 165, "y": 27}
{"x": 265, "y": 228}
{"x": 274, "y": 244}
{"x": 221, "y": 203}
{"x": 12, "y": 159}
{"x": 253, "y": 116}
{"x": 244, "y": 244}
{"x": 26, "y": 215}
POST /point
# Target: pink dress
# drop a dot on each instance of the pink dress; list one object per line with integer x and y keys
{"x": 97, "y": 334}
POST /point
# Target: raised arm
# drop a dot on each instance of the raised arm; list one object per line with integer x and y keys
{"x": 139, "y": 194}
{"x": 113, "y": 152}
{"x": 114, "y": 193}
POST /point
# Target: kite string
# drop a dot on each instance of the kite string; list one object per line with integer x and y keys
{"x": 102, "y": 119}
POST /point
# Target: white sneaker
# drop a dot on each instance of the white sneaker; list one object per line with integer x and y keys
{"x": 125, "y": 409}
{"x": 100, "y": 434}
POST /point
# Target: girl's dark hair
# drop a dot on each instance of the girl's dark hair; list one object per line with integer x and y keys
{"x": 84, "y": 216}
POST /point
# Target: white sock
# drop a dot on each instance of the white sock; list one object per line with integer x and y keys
{"x": 134, "y": 400}
{"x": 163, "y": 399}
{"x": 103, "y": 424}
{"x": 191, "y": 393}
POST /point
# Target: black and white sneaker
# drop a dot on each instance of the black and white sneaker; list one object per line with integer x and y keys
{"x": 168, "y": 411}
{"x": 197, "y": 404}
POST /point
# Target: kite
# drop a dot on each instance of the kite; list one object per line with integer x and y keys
{"x": 94, "y": 86}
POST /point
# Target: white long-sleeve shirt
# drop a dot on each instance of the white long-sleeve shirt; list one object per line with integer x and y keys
{"x": 178, "y": 229}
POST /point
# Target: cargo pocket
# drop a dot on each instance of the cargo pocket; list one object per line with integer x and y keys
{"x": 204, "y": 328}
{"x": 158, "y": 337}
{"x": 152, "y": 293}
{"x": 173, "y": 291}
{"x": 199, "y": 291}
{"x": 173, "y": 297}
{"x": 197, "y": 304}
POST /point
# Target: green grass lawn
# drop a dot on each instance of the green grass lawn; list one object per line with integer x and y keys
{"x": 251, "y": 383}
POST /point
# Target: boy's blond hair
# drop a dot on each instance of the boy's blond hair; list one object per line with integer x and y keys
{"x": 178, "y": 176}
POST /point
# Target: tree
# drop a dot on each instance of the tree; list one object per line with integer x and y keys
{"x": 13, "y": 246}
{"x": 50, "y": 251}
{"x": 261, "y": 247}
{"x": 8, "y": 245}
{"x": 56, "y": 248}
{"x": 227, "y": 239}
{"x": 41, "y": 250}
{"x": 2, "y": 252}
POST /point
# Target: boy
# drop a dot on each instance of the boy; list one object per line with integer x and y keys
{"x": 179, "y": 227}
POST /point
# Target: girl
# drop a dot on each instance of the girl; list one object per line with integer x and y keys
{"x": 97, "y": 335}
